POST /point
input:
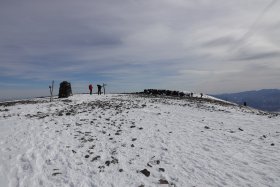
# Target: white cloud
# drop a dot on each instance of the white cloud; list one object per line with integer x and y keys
{"x": 198, "y": 43}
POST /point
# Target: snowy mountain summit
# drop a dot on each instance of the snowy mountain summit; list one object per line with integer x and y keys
{"x": 137, "y": 140}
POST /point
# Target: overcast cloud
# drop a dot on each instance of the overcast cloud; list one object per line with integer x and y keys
{"x": 210, "y": 46}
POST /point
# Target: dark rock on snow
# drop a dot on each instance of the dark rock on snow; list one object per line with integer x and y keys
{"x": 145, "y": 172}
{"x": 162, "y": 181}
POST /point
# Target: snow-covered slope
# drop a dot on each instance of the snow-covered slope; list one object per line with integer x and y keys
{"x": 130, "y": 140}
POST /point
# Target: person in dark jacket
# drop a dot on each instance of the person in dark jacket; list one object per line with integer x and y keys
{"x": 99, "y": 89}
{"x": 90, "y": 89}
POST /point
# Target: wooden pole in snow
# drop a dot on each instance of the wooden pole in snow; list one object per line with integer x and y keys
{"x": 51, "y": 91}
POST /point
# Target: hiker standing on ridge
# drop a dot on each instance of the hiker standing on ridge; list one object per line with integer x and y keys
{"x": 90, "y": 89}
{"x": 99, "y": 89}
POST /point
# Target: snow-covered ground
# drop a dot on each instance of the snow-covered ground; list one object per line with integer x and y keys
{"x": 129, "y": 140}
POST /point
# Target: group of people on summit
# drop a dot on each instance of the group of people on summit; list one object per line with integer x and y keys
{"x": 90, "y": 87}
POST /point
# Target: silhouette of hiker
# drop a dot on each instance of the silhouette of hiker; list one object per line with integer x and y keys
{"x": 99, "y": 89}
{"x": 90, "y": 89}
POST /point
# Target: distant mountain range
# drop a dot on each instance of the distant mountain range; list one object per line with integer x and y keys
{"x": 266, "y": 99}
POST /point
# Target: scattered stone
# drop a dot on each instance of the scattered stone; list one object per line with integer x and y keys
{"x": 163, "y": 181}
{"x": 57, "y": 173}
{"x": 264, "y": 136}
{"x": 133, "y": 139}
{"x": 157, "y": 161}
{"x": 120, "y": 170}
{"x": 149, "y": 165}
{"x": 95, "y": 158}
{"x": 140, "y": 128}
{"x": 132, "y": 145}
{"x": 161, "y": 169}
{"x": 86, "y": 156}
{"x": 145, "y": 172}
{"x": 114, "y": 161}
{"x": 272, "y": 144}
{"x": 206, "y": 127}
{"x": 67, "y": 100}
{"x": 73, "y": 151}
{"x": 240, "y": 129}
{"x": 133, "y": 126}
{"x": 68, "y": 114}
{"x": 101, "y": 168}
{"x": 107, "y": 163}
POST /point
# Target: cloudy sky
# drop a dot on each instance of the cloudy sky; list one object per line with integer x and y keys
{"x": 210, "y": 46}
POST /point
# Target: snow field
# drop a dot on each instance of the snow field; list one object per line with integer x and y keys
{"x": 108, "y": 140}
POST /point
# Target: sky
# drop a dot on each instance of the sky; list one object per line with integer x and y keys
{"x": 209, "y": 46}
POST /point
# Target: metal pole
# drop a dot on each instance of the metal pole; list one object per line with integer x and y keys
{"x": 104, "y": 88}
